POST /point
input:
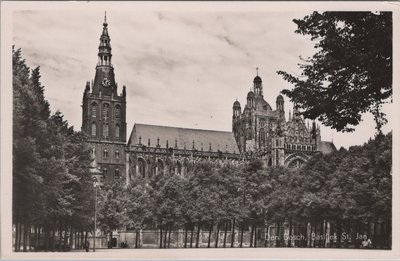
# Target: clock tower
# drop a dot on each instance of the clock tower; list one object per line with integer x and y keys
{"x": 104, "y": 115}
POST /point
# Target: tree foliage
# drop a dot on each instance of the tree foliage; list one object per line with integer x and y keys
{"x": 50, "y": 168}
{"x": 351, "y": 71}
{"x": 350, "y": 189}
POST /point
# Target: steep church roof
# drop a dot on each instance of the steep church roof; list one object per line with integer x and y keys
{"x": 184, "y": 138}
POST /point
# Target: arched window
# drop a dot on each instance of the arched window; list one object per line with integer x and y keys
{"x": 105, "y": 130}
{"x": 160, "y": 166}
{"x": 105, "y": 171}
{"x": 117, "y": 131}
{"x": 105, "y": 153}
{"x": 106, "y": 110}
{"x": 94, "y": 109}
{"x": 117, "y": 154}
{"x": 142, "y": 168}
{"x": 179, "y": 168}
{"x": 94, "y": 129}
{"x": 262, "y": 138}
{"x": 116, "y": 173}
{"x": 117, "y": 111}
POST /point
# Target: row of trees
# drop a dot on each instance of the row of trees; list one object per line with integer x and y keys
{"x": 350, "y": 189}
{"x": 52, "y": 199}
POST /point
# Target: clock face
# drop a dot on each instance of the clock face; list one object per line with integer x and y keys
{"x": 106, "y": 82}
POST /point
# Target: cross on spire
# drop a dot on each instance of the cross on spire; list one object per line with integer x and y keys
{"x": 105, "y": 16}
{"x": 257, "y": 70}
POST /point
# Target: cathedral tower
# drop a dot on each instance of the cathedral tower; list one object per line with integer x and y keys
{"x": 104, "y": 114}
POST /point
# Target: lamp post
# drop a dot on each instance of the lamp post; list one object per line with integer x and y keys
{"x": 95, "y": 214}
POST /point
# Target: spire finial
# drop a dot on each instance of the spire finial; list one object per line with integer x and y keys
{"x": 105, "y": 19}
{"x": 257, "y": 70}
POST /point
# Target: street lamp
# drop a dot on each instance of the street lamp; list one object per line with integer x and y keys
{"x": 95, "y": 213}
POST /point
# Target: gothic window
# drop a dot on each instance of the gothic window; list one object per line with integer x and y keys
{"x": 105, "y": 172}
{"x": 117, "y": 154}
{"x": 94, "y": 109}
{"x": 93, "y": 129}
{"x": 277, "y": 143}
{"x": 106, "y": 110}
{"x": 141, "y": 168}
{"x": 117, "y": 131}
{"x": 117, "y": 111}
{"x": 105, "y": 130}
{"x": 262, "y": 138}
{"x": 160, "y": 166}
{"x": 105, "y": 153}
{"x": 179, "y": 168}
{"x": 116, "y": 173}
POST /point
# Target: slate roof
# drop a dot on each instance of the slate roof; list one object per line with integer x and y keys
{"x": 220, "y": 140}
{"x": 326, "y": 147}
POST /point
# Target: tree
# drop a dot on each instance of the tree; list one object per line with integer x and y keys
{"x": 351, "y": 72}
{"x": 137, "y": 210}
{"x": 111, "y": 208}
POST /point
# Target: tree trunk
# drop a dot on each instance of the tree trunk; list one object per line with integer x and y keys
{"x": 226, "y": 231}
{"x": 198, "y": 234}
{"x": 81, "y": 241}
{"x": 24, "y": 243}
{"x": 278, "y": 234}
{"x": 29, "y": 243}
{"x": 37, "y": 237}
{"x": 375, "y": 236}
{"x": 233, "y": 233}
{"x": 241, "y": 234}
{"x": 16, "y": 236}
{"x": 324, "y": 233}
{"x": 217, "y": 237}
{"x": 290, "y": 234}
{"x": 46, "y": 238}
{"x": 165, "y": 236}
{"x": 191, "y": 234}
{"x": 339, "y": 233}
{"x": 20, "y": 236}
{"x": 255, "y": 236}
{"x": 71, "y": 237}
{"x": 65, "y": 238}
{"x": 186, "y": 232}
{"x": 53, "y": 239}
{"x": 86, "y": 237}
{"x": 161, "y": 237}
{"x": 169, "y": 235}
{"x": 136, "y": 238}
{"x": 209, "y": 234}
{"x": 59, "y": 237}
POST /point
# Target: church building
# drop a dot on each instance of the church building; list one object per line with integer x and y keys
{"x": 258, "y": 131}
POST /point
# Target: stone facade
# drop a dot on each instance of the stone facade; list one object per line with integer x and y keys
{"x": 257, "y": 132}
{"x": 265, "y": 133}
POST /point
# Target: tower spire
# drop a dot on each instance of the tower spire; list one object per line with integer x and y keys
{"x": 257, "y": 70}
{"x": 104, "y": 46}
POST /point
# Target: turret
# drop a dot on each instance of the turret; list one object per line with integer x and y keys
{"x": 250, "y": 99}
{"x": 257, "y": 85}
{"x": 236, "y": 109}
{"x": 280, "y": 104}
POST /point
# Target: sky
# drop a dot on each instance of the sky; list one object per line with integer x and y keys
{"x": 182, "y": 67}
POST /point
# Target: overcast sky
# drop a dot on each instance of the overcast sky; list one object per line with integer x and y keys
{"x": 181, "y": 67}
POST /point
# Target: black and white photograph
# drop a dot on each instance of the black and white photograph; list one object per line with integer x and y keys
{"x": 199, "y": 130}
